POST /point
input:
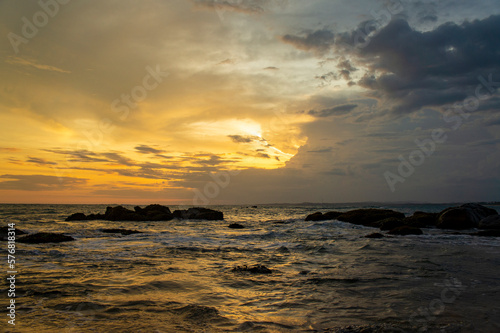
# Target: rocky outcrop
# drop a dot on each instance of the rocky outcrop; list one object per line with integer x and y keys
{"x": 149, "y": 213}
{"x": 369, "y": 217}
{"x": 45, "y": 237}
{"x": 405, "y": 230}
{"x": 199, "y": 213}
{"x": 318, "y": 216}
{"x": 490, "y": 222}
{"x": 463, "y": 217}
{"x": 155, "y": 213}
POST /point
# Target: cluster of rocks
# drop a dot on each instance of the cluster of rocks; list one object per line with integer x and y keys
{"x": 149, "y": 213}
{"x": 466, "y": 216}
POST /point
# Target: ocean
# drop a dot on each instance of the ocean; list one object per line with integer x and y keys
{"x": 177, "y": 276}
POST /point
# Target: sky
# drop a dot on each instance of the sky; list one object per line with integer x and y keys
{"x": 203, "y": 102}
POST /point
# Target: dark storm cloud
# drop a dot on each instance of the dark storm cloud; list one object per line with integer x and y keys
{"x": 414, "y": 69}
{"x": 319, "y": 41}
{"x": 335, "y": 111}
{"x": 434, "y": 68}
{"x": 38, "y": 182}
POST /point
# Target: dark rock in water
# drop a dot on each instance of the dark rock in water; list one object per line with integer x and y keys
{"x": 236, "y": 226}
{"x": 318, "y": 216}
{"x": 375, "y": 235}
{"x": 487, "y": 233}
{"x": 405, "y": 230}
{"x": 369, "y": 217}
{"x": 464, "y": 217}
{"x": 4, "y": 232}
{"x": 120, "y": 231}
{"x": 490, "y": 222}
{"x": 76, "y": 217}
{"x": 390, "y": 223}
{"x": 256, "y": 269}
{"x": 120, "y": 213}
{"x": 45, "y": 237}
{"x": 92, "y": 217}
{"x": 199, "y": 213}
{"x": 422, "y": 219}
{"x": 254, "y": 207}
{"x": 155, "y": 212}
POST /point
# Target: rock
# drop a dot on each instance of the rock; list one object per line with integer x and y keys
{"x": 375, "y": 235}
{"x": 490, "y": 222}
{"x": 120, "y": 231}
{"x": 236, "y": 226}
{"x": 155, "y": 212}
{"x": 405, "y": 230}
{"x": 45, "y": 237}
{"x": 199, "y": 213}
{"x": 422, "y": 219}
{"x": 369, "y": 217}
{"x": 487, "y": 233}
{"x": 4, "y": 233}
{"x": 256, "y": 269}
{"x": 463, "y": 217}
{"x": 120, "y": 213}
{"x": 390, "y": 223}
{"x": 323, "y": 217}
{"x": 92, "y": 217}
{"x": 76, "y": 217}
{"x": 150, "y": 213}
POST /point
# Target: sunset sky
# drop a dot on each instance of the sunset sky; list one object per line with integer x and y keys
{"x": 156, "y": 101}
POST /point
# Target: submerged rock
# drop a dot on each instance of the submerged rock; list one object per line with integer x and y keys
{"x": 236, "y": 226}
{"x": 4, "y": 232}
{"x": 198, "y": 213}
{"x": 369, "y": 216}
{"x": 120, "y": 231}
{"x": 405, "y": 230}
{"x": 256, "y": 269}
{"x": 463, "y": 217}
{"x": 45, "y": 237}
{"x": 490, "y": 222}
{"x": 375, "y": 235}
{"x": 318, "y": 216}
